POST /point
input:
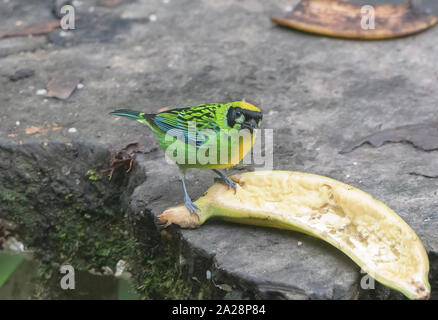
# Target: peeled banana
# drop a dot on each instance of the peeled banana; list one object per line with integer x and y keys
{"x": 365, "y": 229}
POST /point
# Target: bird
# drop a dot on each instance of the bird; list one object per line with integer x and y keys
{"x": 204, "y": 135}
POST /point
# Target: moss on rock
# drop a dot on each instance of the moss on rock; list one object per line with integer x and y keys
{"x": 68, "y": 213}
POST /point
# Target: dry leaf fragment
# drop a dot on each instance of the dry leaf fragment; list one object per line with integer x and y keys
{"x": 44, "y": 129}
{"x": 126, "y": 156}
{"x": 61, "y": 86}
{"x": 58, "y": 5}
{"x": 32, "y": 30}
{"x": 338, "y": 19}
{"x": 423, "y": 136}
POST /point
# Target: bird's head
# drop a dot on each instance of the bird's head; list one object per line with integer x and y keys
{"x": 243, "y": 115}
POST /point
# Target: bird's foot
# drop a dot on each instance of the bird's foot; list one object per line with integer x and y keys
{"x": 191, "y": 206}
{"x": 230, "y": 184}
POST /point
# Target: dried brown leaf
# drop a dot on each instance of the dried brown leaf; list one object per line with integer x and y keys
{"x": 43, "y": 129}
{"x": 32, "y": 30}
{"x": 338, "y": 19}
{"x": 61, "y": 86}
{"x": 122, "y": 157}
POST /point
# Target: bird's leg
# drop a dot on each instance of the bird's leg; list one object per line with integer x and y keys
{"x": 188, "y": 202}
{"x": 226, "y": 180}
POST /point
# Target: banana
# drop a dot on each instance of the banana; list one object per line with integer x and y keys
{"x": 365, "y": 229}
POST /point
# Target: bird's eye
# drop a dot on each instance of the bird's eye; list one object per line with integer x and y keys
{"x": 238, "y": 113}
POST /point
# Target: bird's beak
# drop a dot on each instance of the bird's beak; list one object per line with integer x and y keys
{"x": 250, "y": 125}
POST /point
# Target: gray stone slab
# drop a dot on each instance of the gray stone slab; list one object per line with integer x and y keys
{"x": 317, "y": 94}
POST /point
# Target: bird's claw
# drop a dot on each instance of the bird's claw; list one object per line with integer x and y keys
{"x": 229, "y": 183}
{"x": 191, "y": 206}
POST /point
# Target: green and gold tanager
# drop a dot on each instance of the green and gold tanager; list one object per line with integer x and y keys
{"x": 203, "y": 132}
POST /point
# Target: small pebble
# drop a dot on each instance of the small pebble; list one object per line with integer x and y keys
{"x": 17, "y": 123}
{"x": 152, "y": 18}
{"x": 72, "y": 130}
{"x": 80, "y": 86}
{"x": 13, "y": 244}
{"x": 21, "y": 74}
{"x": 41, "y": 92}
{"x": 107, "y": 271}
{"x": 300, "y": 243}
{"x": 289, "y": 9}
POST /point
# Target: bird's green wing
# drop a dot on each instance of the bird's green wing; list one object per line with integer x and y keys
{"x": 189, "y": 124}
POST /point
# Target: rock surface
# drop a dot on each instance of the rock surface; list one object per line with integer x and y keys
{"x": 317, "y": 94}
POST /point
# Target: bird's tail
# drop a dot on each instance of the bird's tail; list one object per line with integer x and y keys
{"x": 134, "y": 115}
{"x": 131, "y": 114}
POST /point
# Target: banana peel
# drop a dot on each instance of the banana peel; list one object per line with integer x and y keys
{"x": 365, "y": 229}
{"x": 338, "y": 19}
